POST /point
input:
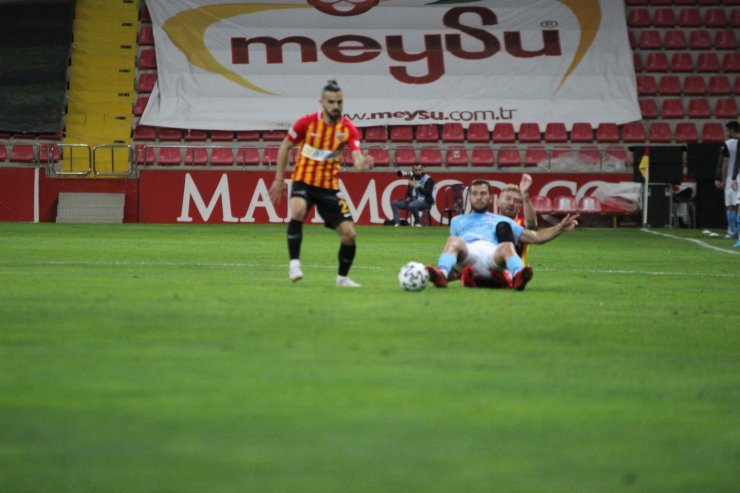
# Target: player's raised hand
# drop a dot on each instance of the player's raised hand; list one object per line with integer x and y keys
{"x": 525, "y": 183}
{"x": 570, "y": 222}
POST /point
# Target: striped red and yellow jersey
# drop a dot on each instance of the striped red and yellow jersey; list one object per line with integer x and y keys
{"x": 321, "y": 145}
{"x": 522, "y": 248}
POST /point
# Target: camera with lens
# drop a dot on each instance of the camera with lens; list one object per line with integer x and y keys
{"x": 403, "y": 172}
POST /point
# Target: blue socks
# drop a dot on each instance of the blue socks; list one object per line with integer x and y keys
{"x": 514, "y": 264}
{"x": 732, "y": 222}
{"x": 446, "y": 262}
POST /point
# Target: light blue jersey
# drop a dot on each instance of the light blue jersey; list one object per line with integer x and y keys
{"x": 481, "y": 226}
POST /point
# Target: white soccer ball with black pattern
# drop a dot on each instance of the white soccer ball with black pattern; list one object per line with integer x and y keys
{"x": 413, "y": 276}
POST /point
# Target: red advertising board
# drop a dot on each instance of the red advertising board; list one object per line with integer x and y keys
{"x": 19, "y": 192}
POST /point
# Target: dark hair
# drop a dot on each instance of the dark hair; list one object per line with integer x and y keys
{"x": 480, "y": 181}
{"x": 331, "y": 86}
{"x": 733, "y": 126}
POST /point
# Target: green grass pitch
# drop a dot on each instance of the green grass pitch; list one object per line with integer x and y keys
{"x": 146, "y": 358}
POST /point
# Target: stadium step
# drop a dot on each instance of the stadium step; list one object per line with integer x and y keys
{"x": 90, "y": 207}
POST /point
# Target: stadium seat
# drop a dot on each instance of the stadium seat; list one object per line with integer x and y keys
{"x": 698, "y": 108}
{"x": 734, "y": 20}
{"x": 659, "y": 133}
{"x": 194, "y": 135}
{"x": 709, "y": 2}
{"x": 169, "y": 156}
{"x": 380, "y": 155}
{"x": 224, "y": 136}
{"x": 693, "y": 85}
{"x": 690, "y": 17}
{"x": 726, "y": 108}
{"x": 430, "y": 156}
{"x": 649, "y": 39}
{"x": 664, "y": 17}
{"x": 140, "y": 105}
{"x": 146, "y": 82}
{"x": 684, "y": 2}
{"x": 504, "y": 133}
{"x": 144, "y": 15}
{"x": 669, "y": 85}
{"x": 682, "y": 62}
{"x": 675, "y": 40}
{"x": 3, "y": 153}
{"x": 686, "y": 132}
{"x": 402, "y": 133}
{"x": 241, "y": 135}
{"x": 453, "y": 132}
{"x": 638, "y": 17}
{"x": 144, "y": 155}
{"x": 509, "y": 156}
{"x": 248, "y": 156}
{"x": 589, "y": 205}
{"x": 536, "y": 155}
{"x": 377, "y": 133}
{"x": 637, "y": 62}
{"x": 147, "y": 59}
{"x": 648, "y": 108}
{"x": 646, "y": 85}
{"x": 48, "y": 153}
{"x": 632, "y": 39}
{"x": 672, "y": 108}
{"x": 427, "y": 133}
{"x": 146, "y": 36}
{"x": 712, "y": 132}
{"x": 541, "y": 204}
{"x": 457, "y": 156}
{"x": 478, "y": 132}
{"x": 725, "y": 40}
{"x": 657, "y": 61}
{"x": 274, "y": 135}
{"x": 270, "y": 155}
{"x": 529, "y": 132}
{"x": 197, "y": 156}
{"x": 454, "y": 200}
{"x": 582, "y": 132}
{"x": 222, "y": 156}
{"x": 23, "y": 153}
{"x": 556, "y": 132}
{"x": 633, "y": 132}
{"x": 715, "y": 18}
{"x": 564, "y": 204}
{"x": 730, "y": 62}
{"x": 707, "y": 62}
{"x": 145, "y": 132}
{"x": 607, "y": 132}
{"x": 615, "y": 156}
{"x": 482, "y": 156}
{"x": 700, "y": 39}
{"x": 404, "y": 156}
{"x": 170, "y": 134}
{"x": 590, "y": 155}
{"x": 736, "y": 85}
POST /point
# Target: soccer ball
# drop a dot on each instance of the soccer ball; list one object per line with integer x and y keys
{"x": 413, "y": 276}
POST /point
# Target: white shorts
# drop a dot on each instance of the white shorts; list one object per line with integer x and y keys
{"x": 731, "y": 197}
{"x": 480, "y": 256}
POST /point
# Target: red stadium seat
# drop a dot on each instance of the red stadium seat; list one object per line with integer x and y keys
{"x": 144, "y": 14}
{"x": 144, "y": 155}
{"x": 146, "y": 36}
{"x": 482, "y": 156}
{"x": 690, "y": 17}
{"x": 632, "y": 39}
{"x": 169, "y": 156}
{"x": 649, "y": 39}
{"x": 241, "y": 136}
{"x": 274, "y": 135}
{"x": 430, "y": 156}
{"x": 672, "y": 108}
{"x": 686, "y": 132}
{"x": 734, "y": 16}
{"x": 715, "y": 18}
{"x": 646, "y": 85}
{"x": 657, "y": 61}
{"x": 170, "y": 134}
{"x": 222, "y": 156}
{"x": 709, "y": 2}
{"x": 380, "y": 155}
{"x": 615, "y": 156}
{"x": 607, "y": 132}
{"x": 638, "y": 18}
{"x": 682, "y": 62}
{"x": 712, "y": 132}
{"x": 664, "y": 17}
{"x": 248, "y": 156}
{"x": 698, "y": 108}
{"x": 478, "y": 132}
{"x": 582, "y": 132}
{"x": 736, "y": 85}
{"x": 197, "y": 156}
{"x": 404, "y": 156}
{"x": 637, "y": 62}
{"x": 589, "y": 155}
{"x": 564, "y": 204}
{"x": 376, "y": 134}
{"x": 23, "y": 153}
{"x": 536, "y": 155}
{"x": 726, "y": 108}
{"x": 648, "y": 108}
{"x": 427, "y": 133}
{"x": 140, "y": 105}
{"x": 693, "y": 85}
{"x": 453, "y": 132}
{"x": 146, "y": 82}
{"x": 509, "y": 156}
{"x": 147, "y": 59}
{"x": 529, "y": 132}
{"x": 659, "y": 133}
{"x": 707, "y": 62}
{"x": 541, "y": 204}
{"x": 669, "y": 85}
{"x": 725, "y": 40}
{"x": 675, "y": 40}
{"x": 730, "y": 62}
{"x": 194, "y": 135}
{"x": 402, "y": 133}
{"x": 633, "y": 132}
{"x": 700, "y": 39}
{"x": 270, "y": 155}
{"x": 145, "y": 132}
{"x": 504, "y": 133}
{"x": 556, "y": 132}
{"x": 3, "y": 152}
{"x": 457, "y": 156}
{"x": 589, "y": 205}
{"x": 224, "y": 136}
{"x": 48, "y": 153}
{"x": 684, "y": 2}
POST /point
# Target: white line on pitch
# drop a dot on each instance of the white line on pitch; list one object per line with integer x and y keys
{"x": 702, "y": 244}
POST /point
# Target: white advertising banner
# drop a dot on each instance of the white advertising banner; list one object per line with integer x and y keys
{"x": 235, "y": 65}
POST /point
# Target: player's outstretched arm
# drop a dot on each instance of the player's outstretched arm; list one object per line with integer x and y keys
{"x": 568, "y": 223}
{"x": 362, "y": 160}
{"x": 276, "y": 189}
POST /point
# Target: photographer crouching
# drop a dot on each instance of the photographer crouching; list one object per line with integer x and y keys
{"x": 419, "y": 195}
